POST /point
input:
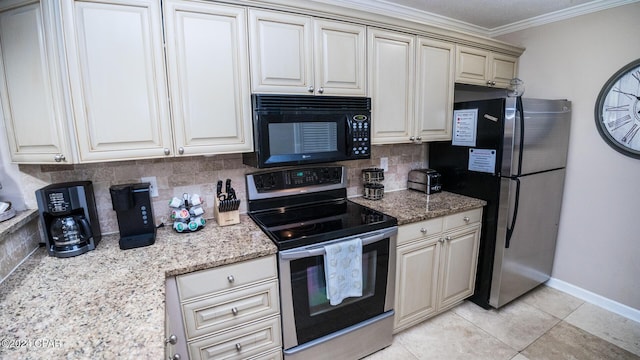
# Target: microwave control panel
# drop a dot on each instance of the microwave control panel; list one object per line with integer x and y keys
{"x": 361, "y": 134}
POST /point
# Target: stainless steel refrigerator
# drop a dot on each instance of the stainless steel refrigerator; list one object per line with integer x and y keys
{"x": 517, "y": 164}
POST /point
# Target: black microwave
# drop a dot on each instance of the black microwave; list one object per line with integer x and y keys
{"x": 307, "y": 129}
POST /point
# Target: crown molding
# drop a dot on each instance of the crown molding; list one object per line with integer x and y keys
{"x": 559, "y": 15}
{"x": 383, "y": 7}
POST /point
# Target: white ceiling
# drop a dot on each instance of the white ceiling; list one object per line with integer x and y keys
{"x": 485, "y": 17}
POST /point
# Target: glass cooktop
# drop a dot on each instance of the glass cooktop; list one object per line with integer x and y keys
{"x": 314, "y": 223}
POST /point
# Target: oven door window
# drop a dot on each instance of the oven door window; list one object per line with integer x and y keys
{"x": 314, "y": 316}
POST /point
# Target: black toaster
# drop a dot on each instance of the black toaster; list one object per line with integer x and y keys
{"x": 427, "y": 181}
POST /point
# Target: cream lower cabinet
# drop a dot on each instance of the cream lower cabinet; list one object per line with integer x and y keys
{"x": 228, "y": 312}
{"x": 296, "y": 54}
{"x": 31, "y": 93}
{"x": 481, "y": 67}
{"x": 436, "y": 266}
{"x": 411, "y": 86}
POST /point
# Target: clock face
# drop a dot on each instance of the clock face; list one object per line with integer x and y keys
{"x": 618, "y": 110}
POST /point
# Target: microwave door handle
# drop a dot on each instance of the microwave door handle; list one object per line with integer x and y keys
{"x": 349, "y": 135}
{"x": 319, "y": 250}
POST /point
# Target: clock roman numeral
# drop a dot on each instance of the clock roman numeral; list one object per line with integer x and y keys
{"x": 630, "y": 96}
{"x": 636, "y": 74}
{"x": 618, "y": 123}
{"x": 617, "y": 108}
{"x": 630, "y": 134}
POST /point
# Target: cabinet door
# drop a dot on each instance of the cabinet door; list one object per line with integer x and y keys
{"x": 416, "y": 282}
{"x": 391, "y": 85}
{"x": 435, "y": 74}
{"x": 209, "y": 77}
{"x": 458, "y": 267}
{"x": 472, "y": 66}
{"x": 117, "y": 78}
{"x": 503, "y": 69}
{"x": 32, "y": 102}
{"x": 281, "y": 52}
{"x": 340, "y": 58}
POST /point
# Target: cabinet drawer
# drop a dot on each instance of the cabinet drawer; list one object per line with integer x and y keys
{"x": 230, "y": 309}
{"x": 240, "y": 343}
{"x": 462, "y": 218}
{"x": 420, "y": 229}
{"x": 226, "y": 277}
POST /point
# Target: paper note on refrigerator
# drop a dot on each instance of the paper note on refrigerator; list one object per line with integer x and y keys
{"x": 483, "y": 160}
{"x": 464, "y": 127}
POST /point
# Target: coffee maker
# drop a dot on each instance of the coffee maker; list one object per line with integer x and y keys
{"x": 132, "y": 204}
{"x": 69, "y": 218}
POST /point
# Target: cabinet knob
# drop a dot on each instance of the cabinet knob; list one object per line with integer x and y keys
{"x": 447, "y": 238}
{"x": 176, "y": 357}
{"x": 310, "y": 89}
{"x": 172, "y": 339}
{"x": 321, "y": 90}
{"x": 466, "y": 219}
{"x": 419, "y": 138}
{"x": 413, "y": 138}
{"x": 441, "y": 240}
{"x": 231, "y": 279}
{"x": 167, "y": 151}
{"x": 234, "y": 311}
{"x": 238, "y": 347}
{"x": 180, "y": 150}
{"x": 59, "y": 158}
{"x": 423, "y": 230}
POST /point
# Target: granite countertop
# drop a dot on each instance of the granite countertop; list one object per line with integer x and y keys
{"x": 409, "y": 206}
{"x": 109, "y": 303}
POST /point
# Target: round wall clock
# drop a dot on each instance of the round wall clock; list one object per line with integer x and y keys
{"x": 618, "y": 110}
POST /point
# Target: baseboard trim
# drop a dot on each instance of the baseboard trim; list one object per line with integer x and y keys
{"x": 593, "y": 298}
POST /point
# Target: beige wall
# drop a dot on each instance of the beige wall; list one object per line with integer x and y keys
{"x": 599, "y": 239}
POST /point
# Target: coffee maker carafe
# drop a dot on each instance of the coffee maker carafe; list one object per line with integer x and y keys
{"x": 132, "y": 204}
{"x": 68, "y": 218}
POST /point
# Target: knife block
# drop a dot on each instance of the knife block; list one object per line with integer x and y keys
{"x": 224, "y": 218}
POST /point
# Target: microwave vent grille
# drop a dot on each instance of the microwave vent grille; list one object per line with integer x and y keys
{"x": 297, "y": 102}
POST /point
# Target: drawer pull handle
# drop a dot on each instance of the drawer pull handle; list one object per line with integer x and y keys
{"x": 423, "y": 230}
{"x": 466, "y": 219}
{"x": 234, "y": 310}
{"x": 238, "y": 347}
{"x": 231, "y": 279}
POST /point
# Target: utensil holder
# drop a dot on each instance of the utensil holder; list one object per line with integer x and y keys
{"x": 226, "y": 211}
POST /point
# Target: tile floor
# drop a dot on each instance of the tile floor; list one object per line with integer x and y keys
{"x": 545, "y": 324}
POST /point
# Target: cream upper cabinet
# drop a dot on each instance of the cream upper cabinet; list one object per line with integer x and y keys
{"x": 391, "y": 85}
{"x": 436, "y": 266}
{"x": 482, "y": 67}
{"x": 117, "y": 78}
{"x": 32, "y": 99}
{"x": 405, "y": 70}
{"x": 435, "y": 85}
{"x": 295, "y": 54}
{"x": 208, "y": 66}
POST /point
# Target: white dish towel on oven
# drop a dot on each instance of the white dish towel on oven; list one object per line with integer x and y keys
{"x": 343, "y": 270}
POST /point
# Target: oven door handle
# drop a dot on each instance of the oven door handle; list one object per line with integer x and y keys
{"x": 319, "y": 250}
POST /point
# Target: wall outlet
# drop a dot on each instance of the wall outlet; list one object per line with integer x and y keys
{"x": 384, "y": 164}
{"x": 153, "y": 189}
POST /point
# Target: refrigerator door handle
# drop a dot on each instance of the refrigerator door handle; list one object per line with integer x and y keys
{"x": 515, "y": 213}
{"x": 520, "y": 112}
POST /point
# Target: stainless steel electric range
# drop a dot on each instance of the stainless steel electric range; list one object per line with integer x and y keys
{"x": 305, "y": 211}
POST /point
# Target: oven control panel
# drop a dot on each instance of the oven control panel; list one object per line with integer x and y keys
{"x": 296, "y": 178}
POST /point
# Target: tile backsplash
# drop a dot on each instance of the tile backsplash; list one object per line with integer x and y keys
{"x": 199, "y": 175}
